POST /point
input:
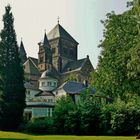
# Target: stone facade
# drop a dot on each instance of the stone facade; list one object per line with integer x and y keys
{"x": 57, "y": 62}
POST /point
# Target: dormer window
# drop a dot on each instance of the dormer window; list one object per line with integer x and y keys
{"x": 43, "y": 84}
{"x": 55, "y": 84}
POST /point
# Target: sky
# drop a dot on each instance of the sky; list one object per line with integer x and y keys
{"x": 81, "y": 18}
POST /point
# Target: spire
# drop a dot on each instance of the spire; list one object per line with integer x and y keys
{"x": 45, "y": 42}
{"x": 22, "y": 52}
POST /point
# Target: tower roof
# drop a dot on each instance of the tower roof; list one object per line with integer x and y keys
{"x": 51, "y": 72}
{"x": 59, "y": 32}
{"x": 22, "y": 49}
{"x": 45, "y": 41}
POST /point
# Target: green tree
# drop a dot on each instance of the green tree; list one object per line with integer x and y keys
{"x": 90, "y": 116}
{"x": 71, "y": 77}
{"x": 134, "y": 61}
{"x": 120, "y": 38}
{"x": 63, "y": 107}
{"x": 125, "y": 118}
{"x": 11, "y": 76}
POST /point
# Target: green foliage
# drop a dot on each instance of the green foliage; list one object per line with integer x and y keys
{"x": 40, "y": 126}
{"x": 119, "y": 59}
{"x": 73, "y": 122}
{"x": 81, "y": 118}
{"x": 71, "y": 77}
{"x": 126, "y": 118}
{"x": 12, "y": 91}
{"x": 64, "y": 105}
{"x": 90, "y": 114}
{"x": 105, "y": 118}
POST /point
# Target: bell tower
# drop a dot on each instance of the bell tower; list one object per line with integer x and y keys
{"x": 44, "y": 55}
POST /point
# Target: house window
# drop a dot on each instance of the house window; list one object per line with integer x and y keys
{"x": 43, "y": 84}
{"x": 49, "y": 83}
{"x": 50, "y": 100}
{"x": 50, "y": 112}
{"x": 28, "y": 92}
{"x": 41, "y": 59}
{"x": 28, "y": 115}
{"x": 53, "y": 50}
{"x": 55, "y": 84}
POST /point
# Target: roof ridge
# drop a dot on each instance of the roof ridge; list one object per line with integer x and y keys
{"x": 34, "y": 63}
{"x": 59, "y": 32}
{"x": 32, "y": 57}
{"x": 83, "y": 63}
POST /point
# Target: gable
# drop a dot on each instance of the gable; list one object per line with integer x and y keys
{"x": 74, "y": 65}
{"x": 87, "y": 68}
{"x": 31, "y": 68}
{"x": 59, "y": 32}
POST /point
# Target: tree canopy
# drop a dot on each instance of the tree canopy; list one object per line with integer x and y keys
{"x": 118, "y": 70}
{"x": 12, "y": 91}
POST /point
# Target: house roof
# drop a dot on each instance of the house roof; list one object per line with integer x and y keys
{"x": 34, "y": 60}
{"x": 44, "y": 93}
{"x": 40, "y": 105}
{"x": 59, "y": 32}
{"x": 74, "y": 65}
{"x": 29, "y": 85}
{"x": 31, "y": 66}
{"x": 72, "y": 87}
{"x": 50, "y": 73}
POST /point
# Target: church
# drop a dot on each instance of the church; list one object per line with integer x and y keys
{"x": 57, "y": 71}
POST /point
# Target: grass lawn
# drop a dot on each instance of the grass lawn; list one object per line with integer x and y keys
{"x": 21, "y": 136}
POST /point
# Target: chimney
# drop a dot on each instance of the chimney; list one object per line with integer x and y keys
{"x": 86, "y": 83}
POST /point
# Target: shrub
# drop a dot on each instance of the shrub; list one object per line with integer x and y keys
{"x": 40, "y": 126}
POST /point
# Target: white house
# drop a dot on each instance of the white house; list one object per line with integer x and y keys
{"x": 72, "y": 89}
{"x": 40, "y": 102}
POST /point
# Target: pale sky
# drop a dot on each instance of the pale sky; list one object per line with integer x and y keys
{"x": 81, "y": 18}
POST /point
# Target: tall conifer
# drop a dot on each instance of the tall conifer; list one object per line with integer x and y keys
{"x": 12, "y": 91}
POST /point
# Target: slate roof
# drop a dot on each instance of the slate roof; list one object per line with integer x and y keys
{"x": 45, "y": 42}
{"x": 31, "y": 66}
{"x": 35, "y": 61}
{"x": 22, "y": 49}
{"x": 29, "y": 85}
{"x": 59, "y": 32}
{"x": 50, "y": 73}
{"x": 72, "y": 87}
{"x": 74, "y": 65}
{"x": 44, "y": 93}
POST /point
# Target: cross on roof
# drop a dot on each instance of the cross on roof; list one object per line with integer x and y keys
{"x": 58, "y": 18}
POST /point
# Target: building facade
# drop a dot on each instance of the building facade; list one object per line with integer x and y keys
{"x": 57, "y": 61}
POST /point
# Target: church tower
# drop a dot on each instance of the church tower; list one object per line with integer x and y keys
{"x": 44, "y": 55}
{"x": 64, "y": 47}
{"x": 22, "y": 53}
